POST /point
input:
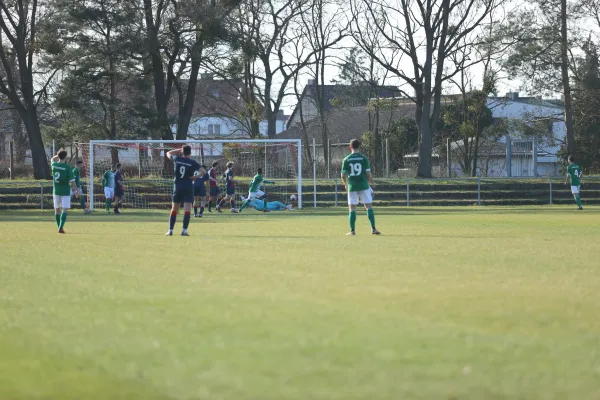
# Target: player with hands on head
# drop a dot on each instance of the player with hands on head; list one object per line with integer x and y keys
{"x": 185, "y": 170}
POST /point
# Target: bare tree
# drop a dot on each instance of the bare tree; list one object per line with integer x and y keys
{"x": 276, "y": 48}
{"x": 324, "y": 23}
{"x": 177, "y": 35}
{"x": 18, "y": 37}
{"x": 418, "y": 37}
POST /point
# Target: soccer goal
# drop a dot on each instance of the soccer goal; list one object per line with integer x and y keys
{"x": 148, "y": 175}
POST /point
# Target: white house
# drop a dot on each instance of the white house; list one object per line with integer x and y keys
{"x": 223, "y": 126}
{"x": 528, "y": 156}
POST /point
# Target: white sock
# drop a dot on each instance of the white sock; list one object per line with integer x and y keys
{"x": 183, "y": 230}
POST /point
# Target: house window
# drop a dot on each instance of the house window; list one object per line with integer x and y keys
{"x": 214, "y": 129}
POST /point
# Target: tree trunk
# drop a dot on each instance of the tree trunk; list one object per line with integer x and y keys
{"x": 185, "y": 110}
{"x": 425, "y": 148}
{"x": 19, "y": 138}
{"x": 271, "y": 124}
{"x": 112, "y": 112}
{"x": 424, "y": 111}
{"x": 41, "y": 168}
{"x": 564, "y": 66}
{"x": 160, "y": 95}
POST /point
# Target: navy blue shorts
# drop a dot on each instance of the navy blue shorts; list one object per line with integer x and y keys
{"x": 119, "y": 192}
{"x": 230, "y": 191}
{"x": 200, "y": 191}
{"x": 214, "y": 191}
{"x": 183, "y": 196}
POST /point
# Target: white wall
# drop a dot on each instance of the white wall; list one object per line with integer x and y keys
{"x": 263, "y": 127}
{"x": 227, "y": 126}
{"x": 516, "y": 110}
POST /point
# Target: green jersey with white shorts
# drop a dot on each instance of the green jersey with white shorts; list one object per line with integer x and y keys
{"x": 574, "y": 172}
{"x": 255, "y": 184}
{"x": 355, "y": 166}
{"x": 108, "y": 180}
{"x": 62, "y": 175}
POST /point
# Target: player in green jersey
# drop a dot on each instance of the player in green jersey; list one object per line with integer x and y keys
{"x": 356, "y": 175}
{"x": 255, "y": 192}
{"x": 62, "y": 181}
{"x": 108, "y": 183}
{"x": 574, "y": 173}
{"x": 77, "y": 175}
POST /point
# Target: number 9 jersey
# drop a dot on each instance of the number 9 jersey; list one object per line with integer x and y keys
{"x": 355, "y": 166}
{"x": 184, "y": 169}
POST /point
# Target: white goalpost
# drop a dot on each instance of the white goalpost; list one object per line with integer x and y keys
{"x": 148, "y": 176}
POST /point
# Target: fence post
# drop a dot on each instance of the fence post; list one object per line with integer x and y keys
{"x": 336, "y": 192}
{"x": 550, "y": 182}
{"x": 387, "y": 157}
{"x": 314, "y": 143}
{"x": 41, "y": 195}
{"x": 534, "y": 157}
{"x": 53, "y": 147}
{"x": 328, "y": 158}
{"x": 408, "y": 192}
{"x": 508, "y": 157}
{"x": 448, "y": 158}
{"x": 478, "y": 190}
{"x": 139, "y": 160}
{"x": 11, "y": 165}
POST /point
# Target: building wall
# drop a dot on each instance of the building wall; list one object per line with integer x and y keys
{"x": 519, "y": 110}
{"x": 217, "y": 126}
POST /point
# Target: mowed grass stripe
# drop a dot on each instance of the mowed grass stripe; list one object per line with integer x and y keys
{"x": 457, "y": 303}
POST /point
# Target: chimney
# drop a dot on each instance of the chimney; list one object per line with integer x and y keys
{"x": 512, "y": 95}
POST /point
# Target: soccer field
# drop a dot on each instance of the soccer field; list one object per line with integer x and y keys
{"x": 449, "y": 303}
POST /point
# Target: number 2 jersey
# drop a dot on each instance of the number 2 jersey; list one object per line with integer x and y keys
{"x": 62, "y": 175}
{"x": 184, "y": 168}
{"x": 355, "y": 166}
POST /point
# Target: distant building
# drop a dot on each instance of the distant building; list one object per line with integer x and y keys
{"x": 336, "y": 97}
{"x": 344, "y": 124}
{"x": 218, "y": 111}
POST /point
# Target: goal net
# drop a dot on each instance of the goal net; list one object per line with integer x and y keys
{"x": 148, "y": 175}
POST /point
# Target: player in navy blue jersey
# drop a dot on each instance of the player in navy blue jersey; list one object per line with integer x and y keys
{"x": 184, "y": 168}
{"x": 214, "y": 186}
{"x": 200, "y": 193}
{"x": 229, "y": 189}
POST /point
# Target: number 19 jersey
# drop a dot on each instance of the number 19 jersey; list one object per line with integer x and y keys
{"x": 355, "y": 166}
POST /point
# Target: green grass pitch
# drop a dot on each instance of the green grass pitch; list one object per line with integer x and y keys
{"x": 449, "y": 303}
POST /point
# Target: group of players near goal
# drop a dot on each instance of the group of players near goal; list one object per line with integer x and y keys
{"x": 189, "y": 188}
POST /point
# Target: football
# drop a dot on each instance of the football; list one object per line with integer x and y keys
{"x": 293, "y": 197}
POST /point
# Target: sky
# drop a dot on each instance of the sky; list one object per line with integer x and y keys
{"x": 505, "y": 84}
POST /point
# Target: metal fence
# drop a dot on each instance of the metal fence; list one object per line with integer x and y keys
{"x": 388, "y": 192}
